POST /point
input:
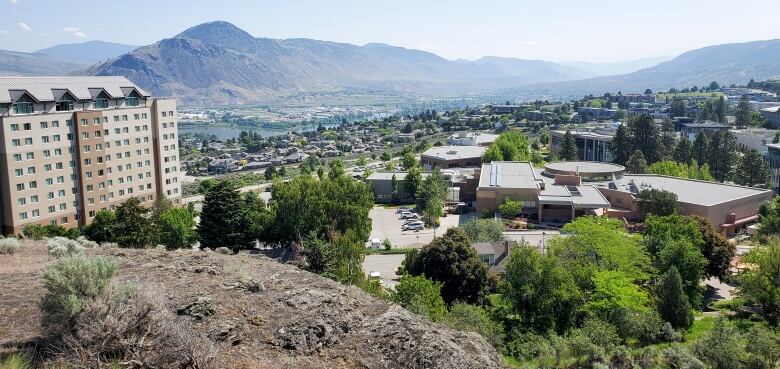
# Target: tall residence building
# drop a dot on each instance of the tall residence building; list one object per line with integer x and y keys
{"x": 72, "y": 146}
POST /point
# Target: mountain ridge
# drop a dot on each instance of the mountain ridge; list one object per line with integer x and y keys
{"x": 86, "y": 53}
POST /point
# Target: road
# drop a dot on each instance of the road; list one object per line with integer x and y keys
{"x": 385, "y": 265}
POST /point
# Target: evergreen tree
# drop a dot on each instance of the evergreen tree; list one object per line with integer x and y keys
{"x": 682, "y": 151}
{"x": 678, "y": 107}
{"x": 569, "y": 148}
{"x": 394, "y": 190}
{"x": 646, "y": 138}
{"x": 722, "y": 155}
{"x": 102, "y": 227}
{"x": 622, "y": 145}
{"x": 742, "y": 114}
{"x": 752, "y": 170}
{"x": 223, "y": 221}
{"x": 636, "y": 163}
{"x": 133, "y": 228}
{"x": 673, "y": 304}
{"x": 700, "y": 149}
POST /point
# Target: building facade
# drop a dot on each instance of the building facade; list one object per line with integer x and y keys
{"x": 446, "y": 157}
{"x": 72, "y": 146}
{"x": 591, "y": 146}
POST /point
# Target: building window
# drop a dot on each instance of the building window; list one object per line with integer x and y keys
{"x": 14, "y": 127}
{"x": 101, "y": 103}
{"x": 23, "y": 107}
{"x": 65, "y": 103}
{"x": 132, "y": 101}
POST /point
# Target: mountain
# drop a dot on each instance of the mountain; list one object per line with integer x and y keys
{"x": 220, "y": 62}
{"x": 87, "y": 53}
{"x": 534, "y": 69}
{"x": 616, "y": 68}
{"x": 726, "y": 64}
{"x": 14, "y": 63}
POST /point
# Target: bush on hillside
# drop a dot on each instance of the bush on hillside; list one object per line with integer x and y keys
{"x": 8, "y": 246}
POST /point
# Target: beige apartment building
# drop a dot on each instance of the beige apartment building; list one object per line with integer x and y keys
{"x": 72, "y": 146}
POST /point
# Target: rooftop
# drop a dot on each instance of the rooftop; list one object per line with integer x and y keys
{"x": 689, "y": 190}
{"x": 386, "y": 176}
{"x": 586, "y": 134}
{"x": 83, "y": 88}
{"x": 511, "y": 174}
{"x": 706, "y": 124}
{"x": 454, "y": 152}
{"x": 593, "y": 168}
{"x": 479, "y": 137}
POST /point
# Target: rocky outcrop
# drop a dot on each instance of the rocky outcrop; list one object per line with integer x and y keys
{"x": 258, "y": 313}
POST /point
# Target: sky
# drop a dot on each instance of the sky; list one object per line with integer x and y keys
{"x": 556, "y": 30}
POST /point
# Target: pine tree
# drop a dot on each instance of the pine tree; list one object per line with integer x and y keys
{"x": 700, "y": 149}
{"x": 621, "y": 145}
{"x": 223, "y": 221}
{"x": 682, "y": 151}
{"x": 569, "y": 148}
{"x": 637, "y": 163}
{"x": 646, "y": 138}
{"x": 673, "y": 304}
{"x": 722, "y": 155}
{"x": 752, "y": 170}
{"x": 743, "y": 113}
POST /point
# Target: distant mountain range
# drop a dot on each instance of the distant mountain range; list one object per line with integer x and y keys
{"x": 87, "y": 53}
{"x": 14, "y": 63}
{"x": 221, "y": 63}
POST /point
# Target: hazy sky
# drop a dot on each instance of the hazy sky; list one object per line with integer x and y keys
{"x": 559, "y": 30}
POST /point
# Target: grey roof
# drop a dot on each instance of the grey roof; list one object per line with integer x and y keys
{"x": 577, "y": 196}
{"x": 689, "y": 190}
{"x": 83, "y": 88}
{"x": 706, "y": 124}
{"x": 386, "y": 176}
{"x": 455, "y": 152}
{"x": 585, "y": 167}
{"x": 510, "y": 174}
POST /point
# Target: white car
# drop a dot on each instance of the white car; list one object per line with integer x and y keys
{"x": 413, "y": 226}
{"x": 409, "y": 215}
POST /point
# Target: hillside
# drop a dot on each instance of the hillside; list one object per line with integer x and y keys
{"x": 729, "y": 63}
{"x": 224, "y": 63}
{"x": 86, "y": 53}
{"x": 288, "y": 318}
{"x": 14, "y": 63}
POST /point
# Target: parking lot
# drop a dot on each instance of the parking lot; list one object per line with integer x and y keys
{"x": 386, "y": 224}
{"x": 385, "y": 265}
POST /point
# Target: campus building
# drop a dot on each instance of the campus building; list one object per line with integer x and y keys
{"x": 728, "y": 207}
{"x": 72, "y": 146}
{"x": 465, "y": 138}
{"x": 558, "y": 201}
{"x": 591, "y": 145}
{"x": 445, "y": 157}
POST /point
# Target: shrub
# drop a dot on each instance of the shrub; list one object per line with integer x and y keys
{"x": 471, "y": 318}
{"x": 133, "y": 324}
{"x": 387, "y": 244}
{"x": 109, "y": 244}
{"x": 510, "y": 208}
{"x": 528, "y": 346}
{"x": 8, "y": 246}
{"x": 70, "y": 283}
{"x": 420, "y": 296}
{"x": 85, "y": 243}
{"x": 677, "y": 356}
{"x": 16, "y": 361}
{"x": 61, "y": 246}
{"x": 34, "y": 231}
{"x": 39, "y": 232}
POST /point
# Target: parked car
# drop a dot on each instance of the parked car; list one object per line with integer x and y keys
{"x": 376, "y": 243}
{"x": 409, "y": 215}
{"x": 402, "y": 209}
{"x": 413, "y": 226}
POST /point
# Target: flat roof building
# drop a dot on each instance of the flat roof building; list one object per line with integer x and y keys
{"x": 591, "y": 145}
{"x": 587, "y": 170}
{"x": 556, "y": 202}
{"x": 691, "y": 130}
{"x": 465, "y": 138}
{"x": 72, "y": 146}
{"x": 727, "y": 206}
{"x": 445, "y": 157}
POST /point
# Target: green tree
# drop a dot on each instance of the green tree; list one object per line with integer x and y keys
{"x": 716, "y": 249}
{"x": 764, "y": 347}
{"x": 569, "y": 147}
{"x": 672, "y": 303}
{"x": 700, "y": 149}
{"x": 615, "y": 292}
{"x": 541, "y": 294}
{"x": 133, "y": 227}
{"x": 646, "y": 137}
{"x": 636, "y": 163}
{"x": 320, "y": 256}
{"x": 413, "y": 181}
{"x": 769, "y": 218}
{"x": 720, "y": 347}
{"x": 177, "y": 228}
{"x": 433, "y": 193}
{"x": 682, "y": 151}
{"x": 394, "y": 190}
{"x": 409, "y": 161}
{"x": 472, "y": 318}
{"x": 687, "y": 258}
{"x": 451, "y": 260}
{"x": 509, "y": 146}
{"x": 681, "y": 170}
{"x": 677, "y": 107}
{"x": 658, "y": 202}
{"x": 483, "y": 230}
{"x": 420, "y": 296}
{"x": 336, "y": 169}
{"x": 752, "y": 170}
{"x": 510, "y": 208}
{"x": 223, "y": 221}
{"x": 622, "y": 145}
{"x": 102, "y": 227}
{"x": 761, "y": 283}
{"x": 270, "y": 173}
{"x": 742, "y": 114}
{"x": 722, "y": 155}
